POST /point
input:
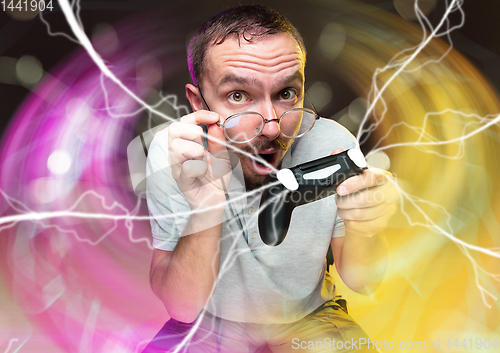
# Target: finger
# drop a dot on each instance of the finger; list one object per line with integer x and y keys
{"x": 337, "y": 150}
{"x": 362, "y": 199}
{"x": 369, "y": 178}
{"x": 218, "y": 160}
{"x": 188, "y": 126}
{"x": 180, "y": 151}
{"x": 201, "y": 117}
{"x": 216, "y": 140}
{"x": 369, "y": 213}
{"x": 190, "y": 171}
{"x": 183, "y": 131}
{"x": 183, "y": 150}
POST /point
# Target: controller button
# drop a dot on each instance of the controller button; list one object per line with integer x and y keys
{"x": 357, "y": 157}
{"x": 322, "y": 173}
{"x": 287, "y": 178}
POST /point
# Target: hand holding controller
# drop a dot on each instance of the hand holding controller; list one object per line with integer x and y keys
{"x": 300, "y": 185}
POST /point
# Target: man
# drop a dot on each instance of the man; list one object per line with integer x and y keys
{"x": 210, "y": 268}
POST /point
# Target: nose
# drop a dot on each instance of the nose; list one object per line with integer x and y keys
{"x": 271, "y": 128}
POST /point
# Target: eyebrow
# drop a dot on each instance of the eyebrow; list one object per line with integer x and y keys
{"x": 248, "y": 81}
{"x": 298, "y": 75}
{"x": 231, "y": 78}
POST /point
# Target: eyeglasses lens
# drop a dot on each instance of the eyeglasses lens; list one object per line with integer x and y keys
{"x": 245, "y": 127}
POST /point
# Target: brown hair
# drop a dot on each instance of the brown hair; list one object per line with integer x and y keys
{"x": 247, "y": 22}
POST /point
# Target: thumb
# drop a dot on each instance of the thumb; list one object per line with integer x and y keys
{"x": 217, "y": 155}
{"x": 216, "y": 139}
{"x": 337, "y": 150}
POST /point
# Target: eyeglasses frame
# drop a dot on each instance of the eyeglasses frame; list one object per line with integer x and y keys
{"x": 278, "y": 120}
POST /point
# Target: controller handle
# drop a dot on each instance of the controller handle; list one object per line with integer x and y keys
{"x": 304, "y": 183}
{"x": 275, "y": 214}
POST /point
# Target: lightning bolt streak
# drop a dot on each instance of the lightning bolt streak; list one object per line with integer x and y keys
{"x": 461, "y": 139}
{"x": 400, "y": 63}
{"x": 150, "y": 108}
{"x": 26, "y": 214}
{"x": 11, "y": 342}
{"x": 402, "y": 66}
{"x": 84, "y": 41}
{"x": 49, "y": 31}
{"x": 463, "y": 246}
{"x": 432, "y": 225}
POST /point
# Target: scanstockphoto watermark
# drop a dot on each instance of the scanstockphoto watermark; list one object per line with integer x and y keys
{"x": 363, "y": 343}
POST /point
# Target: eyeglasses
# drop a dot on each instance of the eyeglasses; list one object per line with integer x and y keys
{"x": 245, "y": 126}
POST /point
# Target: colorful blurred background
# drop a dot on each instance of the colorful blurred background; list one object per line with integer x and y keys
{"x": 75, "y": 242}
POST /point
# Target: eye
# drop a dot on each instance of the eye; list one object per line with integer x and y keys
{"x": 237, "y": 97}
{"x": 288, "y": 94}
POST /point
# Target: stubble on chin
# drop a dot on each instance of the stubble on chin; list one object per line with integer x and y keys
{"x": 255, "y": 180}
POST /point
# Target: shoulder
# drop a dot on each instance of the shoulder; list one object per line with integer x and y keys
{"x": 325, "y": 136}
{"x": 158, "y": 150}
{"x": 160, "y": 140}
{"x": 327, "y": 129}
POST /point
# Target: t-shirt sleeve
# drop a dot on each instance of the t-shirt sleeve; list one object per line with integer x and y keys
{"x": 338, "y": 227}
{"x": 168, "y": 209}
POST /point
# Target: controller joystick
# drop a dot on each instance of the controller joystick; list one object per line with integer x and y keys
{"x": 302, "y": 184}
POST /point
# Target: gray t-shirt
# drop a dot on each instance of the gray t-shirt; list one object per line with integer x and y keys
{"x": 258, "y": 283}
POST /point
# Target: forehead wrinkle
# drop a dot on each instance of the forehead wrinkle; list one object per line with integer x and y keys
{"x": 271, "y": 70}
{"x": 258, "y": 54}
{"x": 284, "y": 62}
{"x": 275, "y": 60}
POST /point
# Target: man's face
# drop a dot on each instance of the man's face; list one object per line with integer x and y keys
{"x": 265, "y": 76}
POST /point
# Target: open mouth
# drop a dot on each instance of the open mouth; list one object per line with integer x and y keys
{"x": 268, "y": 158}
{"x": 261, "y": 158}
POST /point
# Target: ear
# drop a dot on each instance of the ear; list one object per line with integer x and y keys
{"x": 194, "y": 97}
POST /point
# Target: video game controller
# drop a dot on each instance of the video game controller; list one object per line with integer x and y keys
{"x": 304, "y": 183}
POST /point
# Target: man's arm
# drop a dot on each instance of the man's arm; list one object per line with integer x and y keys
{"x": 360, "y": 261}
{"x": 366, "y": 205}
{"x": 184, "y": 279}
